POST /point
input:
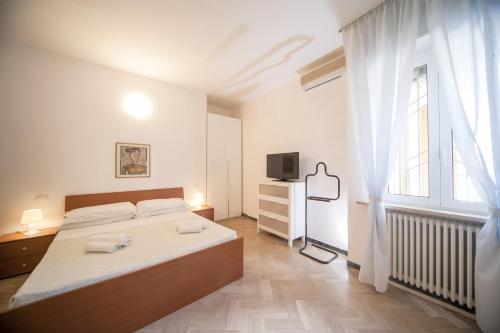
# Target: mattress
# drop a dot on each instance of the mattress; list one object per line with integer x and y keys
{"x": 66, "y": 266}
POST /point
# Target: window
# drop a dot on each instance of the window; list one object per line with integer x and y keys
{"x": 463, "y": 188}
{"x": 411, "y": 169}
{"x": 429, "y": 170}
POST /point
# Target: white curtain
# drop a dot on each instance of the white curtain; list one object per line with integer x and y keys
{"x": 379, "y": 49}
{"x": 465, "y": 40}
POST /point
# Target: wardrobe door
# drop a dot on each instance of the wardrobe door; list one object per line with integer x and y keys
{"x": 224, "y": 165}
{"x": 233, "y": 157}
{"x": 217, "y": 166}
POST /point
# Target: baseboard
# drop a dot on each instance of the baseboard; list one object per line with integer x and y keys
{"x": 250, "y": 217}
{"x": 328, "y": 246}
{"x": 229, "y": 218}
{"x": 463, "y": 309}
{"x": 434, "y": 299}
{"x": 312, "y": 240}
{"x": 353, "y": 265}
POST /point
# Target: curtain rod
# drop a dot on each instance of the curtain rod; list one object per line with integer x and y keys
{"x": 368, "y": 12}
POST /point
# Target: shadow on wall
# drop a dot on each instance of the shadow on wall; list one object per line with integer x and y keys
{"x": 327, "y": 221}
{"x": 245, "y": 91}
{"x": 223, "y": 47}
{"x": 274, "y": 57}
{"x": 305, "y": 166}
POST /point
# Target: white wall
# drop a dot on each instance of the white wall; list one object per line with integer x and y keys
{"x": 358, "y": 213}
{"x": 60, "y": 119}
{"x": 314, "y": 124}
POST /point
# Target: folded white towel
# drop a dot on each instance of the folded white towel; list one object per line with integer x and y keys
{"x": 119, "y": 239}
{"x": 189, "y": 228}
{"x": 97, "y": 246}
{"x": 202, "y": 224}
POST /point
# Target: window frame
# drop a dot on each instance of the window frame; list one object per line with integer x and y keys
{"x": 448, "y": 200}
{"x": 441, "y": 189}
{"x": 424, "y": 57}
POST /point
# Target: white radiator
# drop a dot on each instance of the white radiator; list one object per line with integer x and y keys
{"x": 433, "y": 254}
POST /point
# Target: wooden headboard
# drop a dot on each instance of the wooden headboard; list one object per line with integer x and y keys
{"x": 86, "y": 200}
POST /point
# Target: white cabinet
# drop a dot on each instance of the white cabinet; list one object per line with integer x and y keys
{"x": 282, "y": 209}
{"x": 224, "y": 165}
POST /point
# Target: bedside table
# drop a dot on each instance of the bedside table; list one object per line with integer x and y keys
{"x": 204, "y": 210}
{"x": 20, "y": 253}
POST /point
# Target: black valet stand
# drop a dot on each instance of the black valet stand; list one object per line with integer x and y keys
{"x": 324, "y": 199}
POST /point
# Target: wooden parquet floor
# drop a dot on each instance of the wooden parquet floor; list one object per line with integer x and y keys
{"x": 283, "y": 291}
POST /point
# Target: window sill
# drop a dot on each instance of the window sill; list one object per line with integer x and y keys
{"x": 443, "y": 213}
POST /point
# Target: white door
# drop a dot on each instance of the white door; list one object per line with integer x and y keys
{"x": 224, "y": 165}
{"x": 233, "y": 157}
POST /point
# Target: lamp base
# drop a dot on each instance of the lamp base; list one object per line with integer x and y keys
{"x": 31, "y": 231}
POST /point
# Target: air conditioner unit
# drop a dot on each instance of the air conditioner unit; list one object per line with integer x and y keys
{"x": 327, "y": 69}
{"x": 329, "y": 77}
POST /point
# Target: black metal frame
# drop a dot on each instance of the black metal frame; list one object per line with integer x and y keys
{"x": 323, "y": 199}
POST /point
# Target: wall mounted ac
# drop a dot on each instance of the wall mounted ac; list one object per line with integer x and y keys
{"x": 332, "y": 76}
{"x": 326, "y": 69}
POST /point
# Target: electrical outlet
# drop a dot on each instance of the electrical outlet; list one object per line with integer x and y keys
{"x": 42, "y": 197}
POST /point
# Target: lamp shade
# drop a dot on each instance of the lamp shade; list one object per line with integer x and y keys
{"x": 31, "y": 216}
{"x": 198, "y": 199}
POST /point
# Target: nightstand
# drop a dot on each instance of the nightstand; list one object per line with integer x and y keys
{"x": 20, "y": 253}
{"x": 204, "y": 210}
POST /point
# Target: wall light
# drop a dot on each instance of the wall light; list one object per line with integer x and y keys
{"x": 137, "y": 105}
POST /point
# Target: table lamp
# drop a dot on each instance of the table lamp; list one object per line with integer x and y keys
{"x": 32, "y": 217}
{"x": 198, "y": 199}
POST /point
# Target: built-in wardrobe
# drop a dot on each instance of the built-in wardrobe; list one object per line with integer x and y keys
{"x": 224, "y": 165}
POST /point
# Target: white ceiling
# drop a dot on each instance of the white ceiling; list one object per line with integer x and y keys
{"x": 233, "y": 49}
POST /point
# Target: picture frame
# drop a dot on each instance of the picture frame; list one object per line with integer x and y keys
{"x": 132, "y": 160}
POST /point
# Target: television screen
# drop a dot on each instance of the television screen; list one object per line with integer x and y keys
{"x": 283, "y": 166}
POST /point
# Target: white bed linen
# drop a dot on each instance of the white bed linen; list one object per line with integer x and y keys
{"x": 66, "y": 266}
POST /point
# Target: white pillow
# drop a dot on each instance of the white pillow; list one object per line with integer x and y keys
{"x": 115, "y": 212}
{"x": 162, "y": 211}
{"x": 74, "y": 225}
{"x": 159, "y": 206}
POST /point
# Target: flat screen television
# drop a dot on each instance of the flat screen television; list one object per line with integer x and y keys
{"x": 283, "y": 166}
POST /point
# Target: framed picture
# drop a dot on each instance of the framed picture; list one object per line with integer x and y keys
{"x": 132, "y": 160}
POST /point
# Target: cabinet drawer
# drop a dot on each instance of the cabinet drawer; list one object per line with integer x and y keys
{"x": 25, "y": 247}
{"x": 206, "y": 213}
{"x": 274, "y": 191}
{"x": 273, "y": 207}
{"x": 19, "y": 265}
{"x": 274, "y": 224}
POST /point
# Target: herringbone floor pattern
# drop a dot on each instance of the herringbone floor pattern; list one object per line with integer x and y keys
{"x": 282, "y": 291}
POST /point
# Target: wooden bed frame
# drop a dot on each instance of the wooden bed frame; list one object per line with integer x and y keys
{"x": 131, "y": 301}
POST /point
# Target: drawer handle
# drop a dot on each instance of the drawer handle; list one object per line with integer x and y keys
{"x": 24, "y": 248}
{"x": 24, "y": 265}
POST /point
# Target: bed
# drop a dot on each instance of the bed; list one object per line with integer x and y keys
{"x": 161, "y": 272}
